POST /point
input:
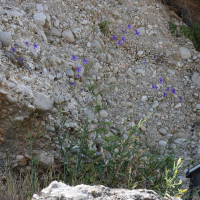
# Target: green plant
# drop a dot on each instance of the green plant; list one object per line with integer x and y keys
{"x": 173, "y": 28}
{"x": 104, "y": 26}
{"x": 193, "y": 33}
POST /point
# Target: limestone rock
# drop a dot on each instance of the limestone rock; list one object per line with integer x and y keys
{"x": 5, "y": 38}
{"x": 42, "y": 102}
{"x": 58, "y": 190}
{"x": 55, "y": 32}
{"x": 68, "y": 35}
{"x": 39, "y": 18}
{"x": 185, "y": 53}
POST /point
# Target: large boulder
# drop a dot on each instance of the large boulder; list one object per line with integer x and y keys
{"x": 59, "y": 190}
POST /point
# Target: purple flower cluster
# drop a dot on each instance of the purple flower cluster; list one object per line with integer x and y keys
{"x": 27, "y": 44}
{"x": 78, "y": 69}
{"x": 123, "y": 38}
{"x": 164, "y": 94}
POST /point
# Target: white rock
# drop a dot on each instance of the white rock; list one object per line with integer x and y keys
{"x": 140, "y": 71}
{"x": 185, "y": 53}
{"x": 103, "y": 114}
{"x": 5, "y": 38}
{"x": 144, "y": 98}
{"x": 39, "y": 7}
{"x": 198, "y": 106}
{"x": 178, "y": 106}
{"x": 163, "y": 143}
{"x": 15, "y": 14}
{"x": 141, "y": 30}
{"x": 68, "y": 35}
{"x": 139, "y": 53}
{"x": 39, "y": 18}
{"x": 149, "y": 26}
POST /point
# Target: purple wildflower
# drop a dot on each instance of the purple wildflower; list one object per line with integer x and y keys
{"x": 180, "y": 98}
{"x": 156, "y": 87}
{"x": 168, "y": 89}
{"x": 38, "y": 68}
{"x": 14, "y": 49}
{"x": 154, "y": 56}
{"x": 114, "y": 37}
{"x": 119, "y": 43}
{"x": 160, "y": 81}
{"x": 21, "y": 58}
{"x": 144, "y": 62}
{"x": 40, "y": 72}
{"x": 137, "y": 33}
{"x": 35, "y": 46}
{"x": 123, "y": 39}
{"x": 129, "y": 26}
{"x": 74, "y": 57}
{"x": 73, "y": 83}
{"x": 82, "y": 89}
{"x": 153, "y": 86}
{"x": 49, "y": 70}
{"x": 85, "y": 61}
{"x": 173, "y": 91}
{"x": 78, "y": 76}
{"x": 123, "y": 31}
{"x": 27, "y": 44}
{"x": 164, "y": 94}
{"x": 78, "y": 68}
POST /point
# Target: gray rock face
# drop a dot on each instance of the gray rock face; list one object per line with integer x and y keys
{"x": 5, "y": 38}
{"x": 42, "y": 102}
{"x": 59, "y": 190}
{"x": 185, "y": 53}
{"x": 39, "y": 18}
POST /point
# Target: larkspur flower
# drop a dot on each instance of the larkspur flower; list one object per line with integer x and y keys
{"x": 78, "y": 76}
{"x": 173, "y": 91}
{"x": 49, "y": 70}
{"x": 144, "y": 62}
{"x": 160, "y": 81}
{"x": 137, "y": 33}
{"x": 78, "y": 68}
{"x": 82, "y": 89}
{"x": 180, "y": 98}
{"x": 14, "y": 49}
{"x": 38, "y": 68}
{"x": 156, "y": 87}
{"x": 153, "y": 86}
{"x": 35, "y": 45}
{"x": 154, "y": 56}
{"x": 85, "y": 61}
{"x": 123, "y": 39}
{"x": 73, "y": 83}
{"x": 164, "y": 94}
{"x": 168, "y": 89}
{"x": 74, "y": 57}
{"x": 114, "y": 37}
{"x": 119, "y": 43}
{"x": 123, "y": 31}
{"x": 21, "y": 58}
{"x": 27, "y": 44}
{"x": 129, "y": 26}
{"x": 40, "y": 72}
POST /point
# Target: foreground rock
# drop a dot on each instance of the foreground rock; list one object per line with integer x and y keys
{"x": 58, "y": 190}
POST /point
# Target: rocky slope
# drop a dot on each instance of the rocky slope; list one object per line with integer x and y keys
{"x": 46, "y": 37}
